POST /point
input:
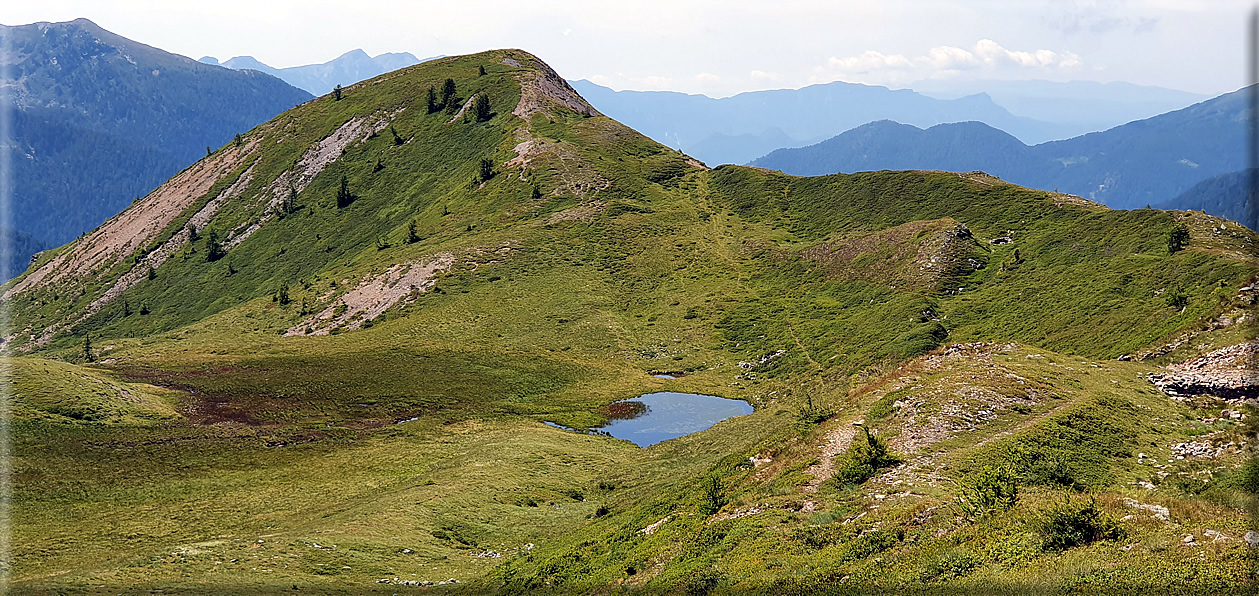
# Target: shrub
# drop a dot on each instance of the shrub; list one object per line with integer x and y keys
{"x": 950, "y": 566}
{"x": 1177, "y": 300}
{"x": 711, "y": 496}
{"x": 809, "y": 416}
{"x": 486, "y": 170}
{"x": 987, "y": 491}
{"x": 702, "y": 582}
{"x": 865, "y": 457}
{"x": 1075, "y": 523}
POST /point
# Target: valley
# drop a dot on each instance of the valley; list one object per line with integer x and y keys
{"x": 322, "y": 359}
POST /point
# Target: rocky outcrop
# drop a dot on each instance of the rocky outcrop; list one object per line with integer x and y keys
{"x": 1228, "y": 373}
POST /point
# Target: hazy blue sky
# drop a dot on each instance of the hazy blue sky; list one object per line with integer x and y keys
{"x": 717, "y": 47}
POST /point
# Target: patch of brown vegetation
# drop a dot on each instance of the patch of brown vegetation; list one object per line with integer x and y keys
{"x": 915, "y": 254}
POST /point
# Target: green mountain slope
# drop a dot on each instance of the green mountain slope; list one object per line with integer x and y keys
{"x": 99, "y": 120}
{"x": 361, "y": 314}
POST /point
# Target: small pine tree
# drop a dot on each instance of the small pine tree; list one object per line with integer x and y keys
{"x": 1177, "y": 239}
{"x": 282, "y": 295}
{"x": 231, "y": 268}
{"x": 413, "y": 235}
{"x": 192, "y": 233}
{"x": 397, "y": 140}
{"x": 126, "y": 308}
{"x": 536, "y": 193}
{"x": 380, "y": 165}
{"x": 152, "y": 273}
{"x": 144, "y": 308}
{"x": 289, "y": 204}
{"x": 344, "y": 198}
{"x": 487, "y": 170}
{"x": 213, "y": 248}
{"x": 87, "y": 348}
{"x": 481, "y": 107}
{"x": 433, "y": 106}
{"x": 236, "y": 140}
{"x": 336, "y": 92}
{"x": 448, "y": 93}
{"x": 480, "y": 71}
{"x": 207, "y": 151}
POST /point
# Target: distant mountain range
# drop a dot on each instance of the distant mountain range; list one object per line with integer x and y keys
{"x": 99, "y": 120}
{"x": 1078, "y": 107}
{"x": 746, "y": 126}
{"x": 741, "y": 128}
{"x": 319, "y": 79}
{"x": 1224, "y": 196}
{"x": 1149, "y": 161}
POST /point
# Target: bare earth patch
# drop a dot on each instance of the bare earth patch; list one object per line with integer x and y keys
{"x": 544, "y": 88}
{"x": 375, "y": 295}
{"x": 135, "y": 227}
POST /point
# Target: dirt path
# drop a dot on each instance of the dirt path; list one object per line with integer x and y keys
{"x": 837, "y": 441}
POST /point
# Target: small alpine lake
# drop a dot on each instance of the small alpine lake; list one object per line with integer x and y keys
{"x": 655, "y": 417}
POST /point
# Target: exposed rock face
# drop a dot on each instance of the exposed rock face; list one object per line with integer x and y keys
{"x": 1229, "y": 373}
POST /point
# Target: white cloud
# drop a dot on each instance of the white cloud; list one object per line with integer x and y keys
{"x": 986, "y": 58}
{"x": 760, "y": 75}
{"x": 706, "y": 78}
{"x": 868, "y": 61}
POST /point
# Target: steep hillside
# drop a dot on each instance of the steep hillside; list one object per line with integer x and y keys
{"x": 1140, "y": 163}
{"x": 1225, "y": 195}
{"x": 361, "y": 316}
{"x": 99, "y": 120}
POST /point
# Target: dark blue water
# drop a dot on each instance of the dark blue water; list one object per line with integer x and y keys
{"x": 670, "y": 415}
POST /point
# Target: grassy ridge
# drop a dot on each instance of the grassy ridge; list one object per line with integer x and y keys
{"x": 416, "y": 442}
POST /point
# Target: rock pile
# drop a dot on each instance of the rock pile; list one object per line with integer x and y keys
{"x": 1229, "y": 373}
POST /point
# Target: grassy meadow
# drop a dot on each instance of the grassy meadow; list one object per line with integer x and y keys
{"x": 178, "y": 440}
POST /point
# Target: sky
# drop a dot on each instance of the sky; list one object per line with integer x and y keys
{"x": 718, "y": 47}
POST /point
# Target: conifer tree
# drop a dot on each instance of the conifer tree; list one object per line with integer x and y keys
{"x": 433, "y": 106}
{"x": 487, "y": 170}
{"x": 336, "y": 92}
{"x": 448, "y": 93}
{"x": 213, "y": 248}
{"x": 344, "y": 198}
{"x": 481, "y": 107}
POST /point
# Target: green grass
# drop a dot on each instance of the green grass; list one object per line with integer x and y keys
{"x": 794, "y": 294}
